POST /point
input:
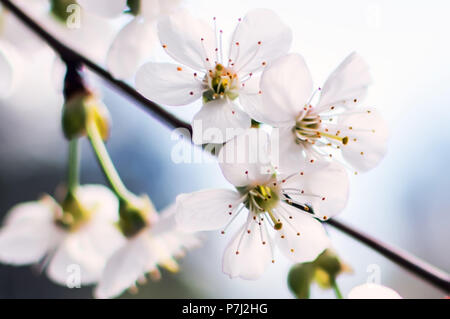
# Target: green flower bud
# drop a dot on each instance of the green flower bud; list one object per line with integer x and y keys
{"x": 58, "y": 8}
{"x": 134, "y": 6}
{"x": 81, "y": 108}
{"x": 324, "y": 271}
{"x": 300, "y": 278}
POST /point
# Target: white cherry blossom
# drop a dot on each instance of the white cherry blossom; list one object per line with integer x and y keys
{"x": 153, "y": 246}
{"x": 373, "y": 291}
{"x": 136, "y": 40}
{"x": 335, "y": 124}
{"x": 204, "y": 72}
{"x": 267, "y": 200}
{"x": 32, "y": 233}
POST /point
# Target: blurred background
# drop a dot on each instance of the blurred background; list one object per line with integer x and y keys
{"x": 404, "y": 201}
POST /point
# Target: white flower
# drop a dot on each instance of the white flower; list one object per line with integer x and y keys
{"x": 373, "y": 291}
{"x": 310, "y": 133}
{"x": 267, "y": 199}
{"x": 33, "y": 231}
{"x": 204, "y": 72}
{"x": 154, "y": 246}
{"x": 133, "y": 44}
{"x": 10, "y": 69}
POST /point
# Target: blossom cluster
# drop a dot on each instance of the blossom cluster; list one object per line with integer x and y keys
{"x": 320, "y": 138}
{"x": 282, "y": 186}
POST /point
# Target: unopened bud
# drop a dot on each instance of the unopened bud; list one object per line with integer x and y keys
{"x": 81, "y": 109}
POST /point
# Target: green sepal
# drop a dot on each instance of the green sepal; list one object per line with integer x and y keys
{"x": 58, "y": 9}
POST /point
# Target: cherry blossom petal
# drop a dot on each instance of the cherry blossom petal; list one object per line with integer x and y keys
{"x": 250, "y": 99}
{"x": 168, "y": 84}
{"x": 101, "y": 200}
{"x": 89, "y": 248}
{"x": 301, "y": 238}
{"x": 131, "y": 47}
{"x": 206, "y": 210}
{"x": 28, "y": 234}
{"x": 291, "y": 156}
{"x": 153, "y": 9}
{"x": 126, "y": 266}
{"x": 219, "y": 121}
{"x": 286, "y": 86}
{"x": 325, "y": 189}
{"x": 188, "y": 40}
{"x": 347, "y": 85}
{"x": 10, "y": 69}
{"x": 373, "y": 291}
{"x": 245, "y": 160}
{"x": 249, "y": 253}
{"x": 368, "y": 139}
{"x": 174, "y": 239}
{"x": 259, "y": 38}
{"x": 104, "y": 8}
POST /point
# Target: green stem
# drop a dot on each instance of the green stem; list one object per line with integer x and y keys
{"x": 336, "y": 289}
{"x": 74, "y": 165}
{"x": 105, "y": 162}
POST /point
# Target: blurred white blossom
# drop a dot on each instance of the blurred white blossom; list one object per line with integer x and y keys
{"x": 373, "y": 291}
{"x": 34, "y": 232}
{"x": 153, "y": 246}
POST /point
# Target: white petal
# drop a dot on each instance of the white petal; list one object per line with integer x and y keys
{"x": 219, "y": 121}
{"x": 10, "y": 69}
{"x": 251, "y": 100}
{"x": 373, "y": 291}
{"x": 126, "y": 266}
{"x": 349, "y": 82}
{"x": 262, "y": 37}
{"x": 101, "y": 200}
{"x": 104, "y": 8}
{"x": 87, "y": 248}
{"x": 304, "y": 237}
{"x": 206, "y": 210}
{"x": 286, "y": 86}
{"x": 153, "y": 9}
{"x": 249, "y": 253}
{"x": 168, "y": 84}
{"x": 28, "y": 234}
{"x": 174, "y": 239}
{"x": 368, "y": 139}
{"x": 291, "y": 157}
{"x": 246, "y": 158}
{"x": 131, "y": 47}
{"x": 325, "y": 189}
{"x": 181, "y": 35}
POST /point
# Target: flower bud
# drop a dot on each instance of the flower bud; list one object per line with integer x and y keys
{"x": 300, "y": 278}
{"x": 324, "y": 271}
{"x": 81, "y": 108}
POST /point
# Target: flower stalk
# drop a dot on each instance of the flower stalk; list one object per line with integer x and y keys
{"x": 73, "y": 179}
{"x": 106, "y": 163}
{"x": 336, "y": 290}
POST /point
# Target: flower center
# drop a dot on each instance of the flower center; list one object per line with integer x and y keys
{"x": 310, "y": 129}
{"x": 221, "y": 82}
{"x": 263, "y": 199}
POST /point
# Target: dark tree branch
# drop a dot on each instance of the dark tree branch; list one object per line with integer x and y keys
{"x": 420, "y": 268}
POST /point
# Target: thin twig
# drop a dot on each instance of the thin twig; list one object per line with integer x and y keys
{"x": 422, "y": 269}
